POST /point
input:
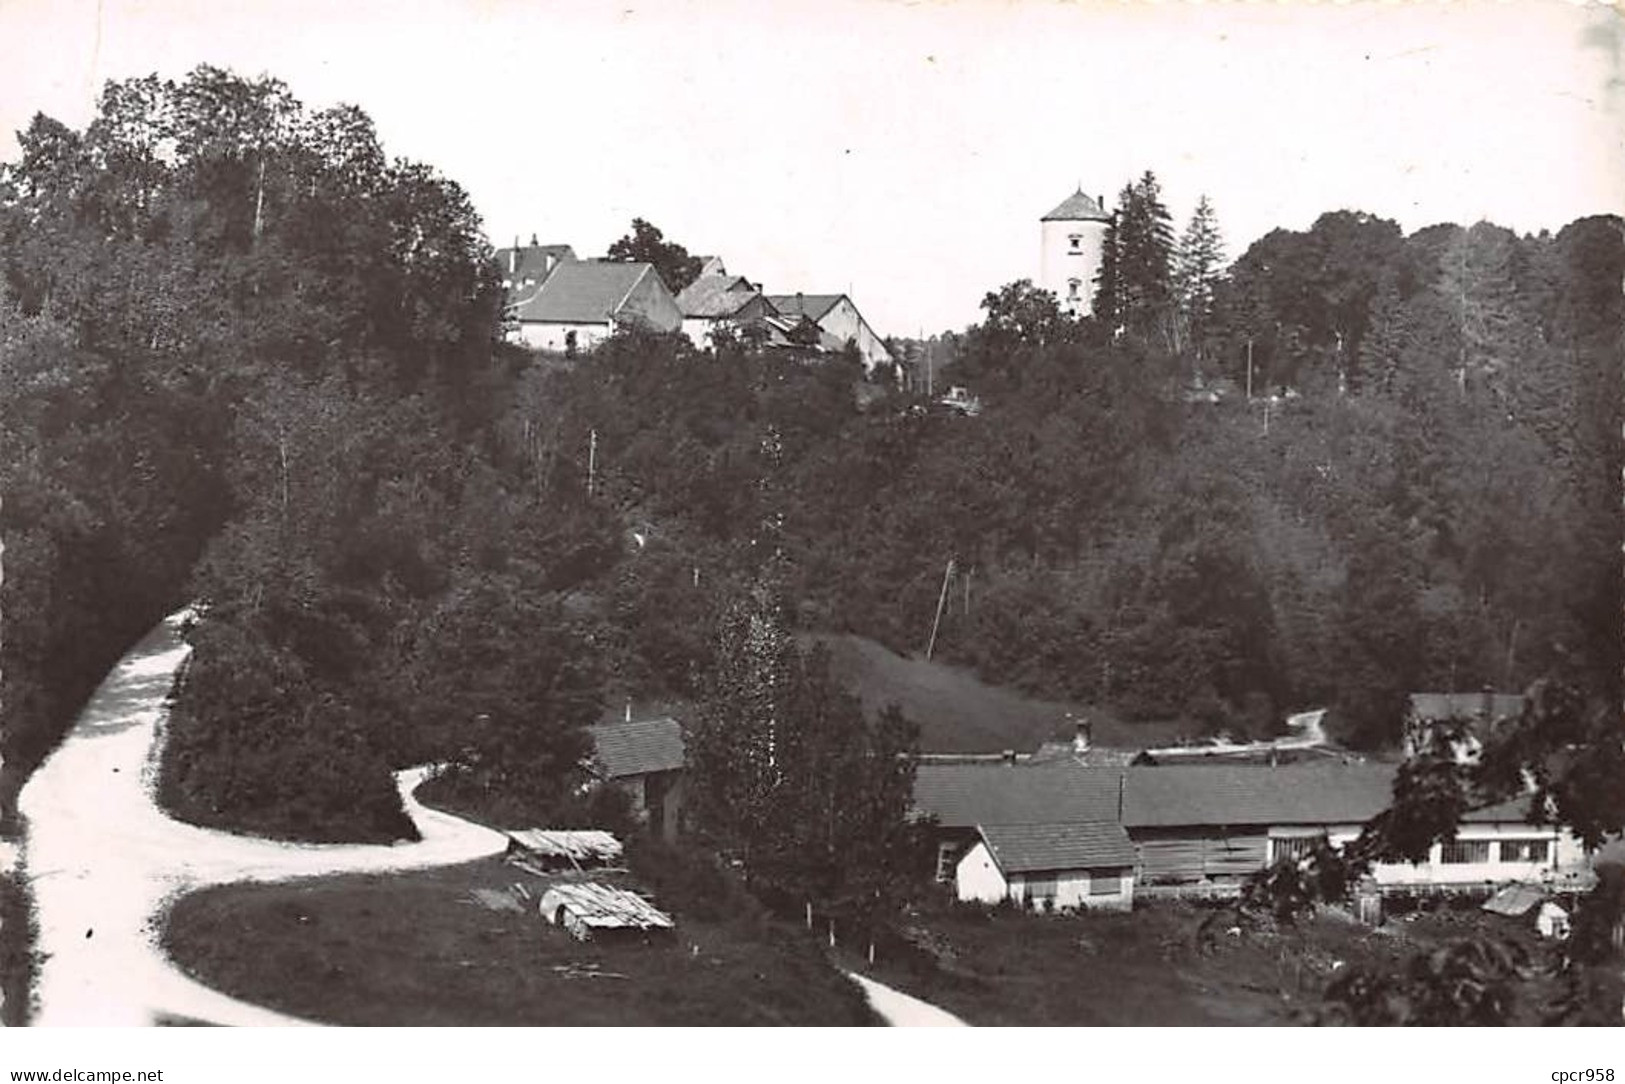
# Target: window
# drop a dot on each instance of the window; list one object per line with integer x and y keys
{"x": 1291, "y": 850}
{"x": 1461, "y": 852}
{"x": 1072, "y": 288}
{"x": 1075, "y": 241}
{"x": 1040, "y": 891}
{"x": 1524, "y": 850}
{"x": 947, "y": 859}
{"x": 1105, "y": 882}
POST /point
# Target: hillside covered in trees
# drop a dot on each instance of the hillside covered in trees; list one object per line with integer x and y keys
{"x": 250, "y": 360}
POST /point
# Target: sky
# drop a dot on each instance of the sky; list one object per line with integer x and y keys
{"x": 904, "y": 152}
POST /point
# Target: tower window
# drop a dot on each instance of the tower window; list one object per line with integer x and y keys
{"x": 1075, "y": 241}
{"x": 1072, "y": 288}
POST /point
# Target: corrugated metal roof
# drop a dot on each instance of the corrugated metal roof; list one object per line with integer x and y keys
{"x": 1077, "y": 208}
{"x": 584, "y": 292}
{"x": 1025, "y": 848}
{"x": 990, "y": 795}
{"x": 1255, "y": 794}
{"x": 1515, "y": 900}
{"x": 623, "y": 749}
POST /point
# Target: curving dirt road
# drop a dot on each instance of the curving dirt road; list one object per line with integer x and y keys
{"x": 103, "y": 859}
{"x": 899, "y": 1010}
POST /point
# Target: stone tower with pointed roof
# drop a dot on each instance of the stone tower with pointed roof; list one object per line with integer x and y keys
{"x": 1072, "y": 239}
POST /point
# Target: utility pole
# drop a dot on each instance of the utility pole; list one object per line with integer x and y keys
{"x": 947, "y": 576}
{"x": 592, "y": 459}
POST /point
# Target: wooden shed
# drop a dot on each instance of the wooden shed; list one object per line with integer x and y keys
{"x": 1222, "y": 823}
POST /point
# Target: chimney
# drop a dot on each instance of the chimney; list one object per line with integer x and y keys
{"x": 1009, "y": 756}
{"x": 1487, "y": 706}
{"x": 513, "y": 258}
{"x": 533, "y": 241}
{"x": 629, "y": 710}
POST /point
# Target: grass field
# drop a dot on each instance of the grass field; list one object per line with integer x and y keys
{"x": 1006, "y": 967}
{"x": 418, "y": 949}
{"x": 960, "y": 713}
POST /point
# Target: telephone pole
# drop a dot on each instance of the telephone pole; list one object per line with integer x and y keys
{"x": 592, "y": 459}
{"x": 947, "y": 577}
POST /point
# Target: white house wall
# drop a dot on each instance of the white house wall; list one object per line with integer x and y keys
{"x": 1565, "y": 855}
{"x": 843, "y": 322}
{"x": 698, "y": 330}
{"x": 977, "y": 878}
{"x": 551, "y": 337}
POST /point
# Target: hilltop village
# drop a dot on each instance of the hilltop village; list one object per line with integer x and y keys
{"x": 402, "y": 630}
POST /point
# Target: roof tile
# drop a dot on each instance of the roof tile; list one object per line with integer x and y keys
{"x": 1019, "y": 848}
{"x": 624, "y": 749}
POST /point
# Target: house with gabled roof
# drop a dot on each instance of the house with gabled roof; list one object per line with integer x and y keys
{"x": 1049, "y": 867}
{"x": 646, "y": 760}
{"x": 583, "y": 302}
{"x": 1214, "y": 825}
{"x": 525, "y": 266}
{"x": 721, "y": 301}
{"x": 838, "y": 322}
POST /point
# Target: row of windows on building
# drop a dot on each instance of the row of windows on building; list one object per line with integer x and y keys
{"x": 1044, "y": 888}
{"x": 1456, "y": 852}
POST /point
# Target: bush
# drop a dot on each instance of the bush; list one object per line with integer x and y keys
{"x": 691, "y": 882}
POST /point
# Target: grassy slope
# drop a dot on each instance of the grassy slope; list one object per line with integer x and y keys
{"x": 1146, "y": 968}
{"x": 959, "y": 713}
{"x": 413, "y": 949}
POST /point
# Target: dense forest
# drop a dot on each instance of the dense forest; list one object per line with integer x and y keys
{"x": 251, "y": 361}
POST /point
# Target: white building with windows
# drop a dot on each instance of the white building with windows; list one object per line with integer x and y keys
{"x": 1072, "y": 242}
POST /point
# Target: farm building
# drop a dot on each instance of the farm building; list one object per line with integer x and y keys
{"x": 580, "y": 303}
{"x": 1049, "y": 866}
{"x": 839, "y": 323}
{"x": 967, "y": 799}
{"x": 1194, "y": 823}
{"x": 721, "y": 301}
{"x": 1496, "y": 845}
{"x": 645, "y": 759}
{"x": 1213, "y": 826}
{"x": 1222, "y": 823}
{"x": 524, "y": 266}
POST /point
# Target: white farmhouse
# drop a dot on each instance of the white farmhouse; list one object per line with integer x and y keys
{"x": 583, "y": 302}
{"x": 839, "y": 323}
{"x": 1049, "y": 867}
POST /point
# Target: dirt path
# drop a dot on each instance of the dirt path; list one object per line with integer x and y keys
{"x": 103, "y": 859}
{"x": 899, "y": 1010}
